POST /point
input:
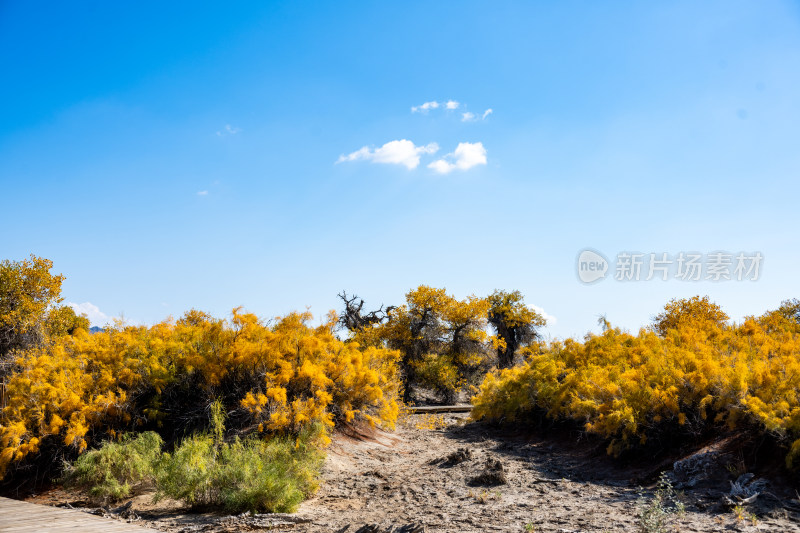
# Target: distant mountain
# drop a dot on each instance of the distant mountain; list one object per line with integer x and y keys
{"x": 96, "y": 329}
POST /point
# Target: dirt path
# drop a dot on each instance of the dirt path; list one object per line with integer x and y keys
{"x": 404, "y": 478}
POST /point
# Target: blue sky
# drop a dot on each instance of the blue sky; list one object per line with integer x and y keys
{"x": 180, "y": 155}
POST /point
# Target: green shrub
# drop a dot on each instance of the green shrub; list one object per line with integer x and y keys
{"x": 274, "y": 476}
{"x": 248, "y": 474}
{"x": 186, "y": 473}
{"x": 117, "y": 469}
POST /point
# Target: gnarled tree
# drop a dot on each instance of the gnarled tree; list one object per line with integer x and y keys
{"x": 514, "y": 323}
{"x": 354, "y": 319}
{"x": 442, "y": 340}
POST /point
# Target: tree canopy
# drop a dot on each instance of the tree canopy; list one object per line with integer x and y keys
{"x": 445, "y": 342}
{"x": 514, "y": 323}
{"x": 680, "y": 311}
{"x": 29, "y": 307}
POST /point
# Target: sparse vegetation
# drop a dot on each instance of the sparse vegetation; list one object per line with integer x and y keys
{"x": 485, "y": 496}
{"x": 657, "y": 512}
{"x": 431, "y": 422}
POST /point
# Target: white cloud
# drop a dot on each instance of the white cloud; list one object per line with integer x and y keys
{"x": 402, "y": 152}
{"x": 551, "y": 320}
{"x": 202, "y": 193}
{"x": 470, "y": 117}
{"x": 465, "y": 156}
{"x": 441, "y": 166}
{"x": 424, "y": 108}
{"x": 451, "y": 105}
{"x": 228, "y": 130}
{"x": 96, "y": 317}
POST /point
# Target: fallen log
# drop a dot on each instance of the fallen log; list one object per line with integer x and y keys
{"x": 427, "y": 409}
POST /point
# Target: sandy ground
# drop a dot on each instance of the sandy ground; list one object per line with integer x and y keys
{"x": 403, "y": 481}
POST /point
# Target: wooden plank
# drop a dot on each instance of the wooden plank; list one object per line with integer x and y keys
{"x": 439, "y": 409}
{"x": 70, "y": 524}
{"x": 23, "y": 517}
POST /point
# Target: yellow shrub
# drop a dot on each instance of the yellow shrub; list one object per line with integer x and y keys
{"x": 627, "y": 388}
{"x": 285, "y": 377}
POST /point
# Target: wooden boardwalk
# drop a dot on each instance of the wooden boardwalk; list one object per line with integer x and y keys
{"x": 23, "y": 517}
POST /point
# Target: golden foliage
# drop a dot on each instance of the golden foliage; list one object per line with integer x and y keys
{"x": 27, "y": 290}
{"x": 431, "y": 422}
{"x": 627, "y": 387}
{"x": 29, "y": 310}
{"x": 76, "y": 387}
{"x": 692, "y": 310}
{"x": 514, "y": 322}
{"x": 443, "y": 340}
